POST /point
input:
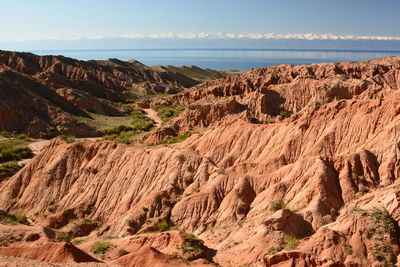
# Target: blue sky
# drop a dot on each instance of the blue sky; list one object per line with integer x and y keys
{"x": 74, "y": 20}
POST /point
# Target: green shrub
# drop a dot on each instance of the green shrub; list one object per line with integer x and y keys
{"x": 32, "y": 237}
{"x": 291, "y": 241}
{"x": 12, "y": 219}
{"x": 117, "y": 129}
{"x": 14, "y": 150}
{"x": 383, "y": 219}
{"x": 21, "y": 218}
{"x": 122, "y": 252}
{"x": 166, "y": 113}
{"x": 383, "y": 253}
{"x": 67, "y": 138}
{"x": 101, "y": 247}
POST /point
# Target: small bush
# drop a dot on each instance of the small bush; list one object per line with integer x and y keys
{"x": 277, "y": 205}
{"x": 242, "y": 208}
{"x": 347, "y": 248}
{"x": 63, "y": 237}
{"x": 384, "y": 254}
{"x": 383, "y": 219}
{"x": 32, "y": 237}
{"x": 122, "y": 252}
{"x": 14, "y": 150}
{"x": 21, "y": 218}
{"x": 291, "y": 241}
{"x": 101, "y": 247}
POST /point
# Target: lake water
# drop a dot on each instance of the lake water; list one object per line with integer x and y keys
{"x": 223, "y": 59}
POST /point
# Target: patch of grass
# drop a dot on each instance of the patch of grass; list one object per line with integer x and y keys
{"x": 23, "y": 137}
{"x": 6, "y": 135}
{"x": 63, "y": 237}
{"x": 12, "y": 219}
{"x": 162, "y": 226}
{"x": 32, "y": 237}
{"x": 122, "y": 252}
{"x": 176, "y": 139}
{"x": 79, "y": 241}
{"x": 140, "y": 122}
{"x": 117, "y": 130}
{"x": 273, "y": 250}
{"x": 188, "y": 237}
{"x": 122, "y": 137}
{"x": 347, "y": 248}
{"x": 14, "y": 150}
{"x": 9, "y": 169}
{"x": 101, "y": 247}
{"x": 124, "y": 133}
{"x": 291, "y": 241}
{"x": 67, "y": 138}
{"x": 190, "y": 249}
{"x": 110, "y": 237}
{"x": 159, "y": 227}
{"x": 166, "y": 113}
{"x": 277, "y": 205}
{"x": 21, "y": 218}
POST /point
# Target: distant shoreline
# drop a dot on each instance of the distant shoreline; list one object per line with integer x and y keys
{"x": 223, "y": 58}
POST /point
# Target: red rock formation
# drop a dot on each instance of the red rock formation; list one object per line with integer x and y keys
{"x": 316, "y": 188}
{"x": 50, "y": 252}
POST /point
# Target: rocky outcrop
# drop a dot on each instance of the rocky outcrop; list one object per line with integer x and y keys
{"x": 274, "y": 93}
{"x": 49, "y": 252}
{"x": 104, "y": 79}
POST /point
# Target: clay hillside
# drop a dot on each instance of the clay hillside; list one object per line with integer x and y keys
{"x": 281, "y": 166}
{"x": 45, "y": 96}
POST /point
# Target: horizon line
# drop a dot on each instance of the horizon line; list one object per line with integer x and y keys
{"x": 209, "y": 36}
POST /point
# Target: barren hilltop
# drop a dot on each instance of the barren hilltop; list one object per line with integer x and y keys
{"x": 280, "y": 166}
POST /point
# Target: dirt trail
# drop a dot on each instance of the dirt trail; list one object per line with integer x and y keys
{"x": 152, "y": 114}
